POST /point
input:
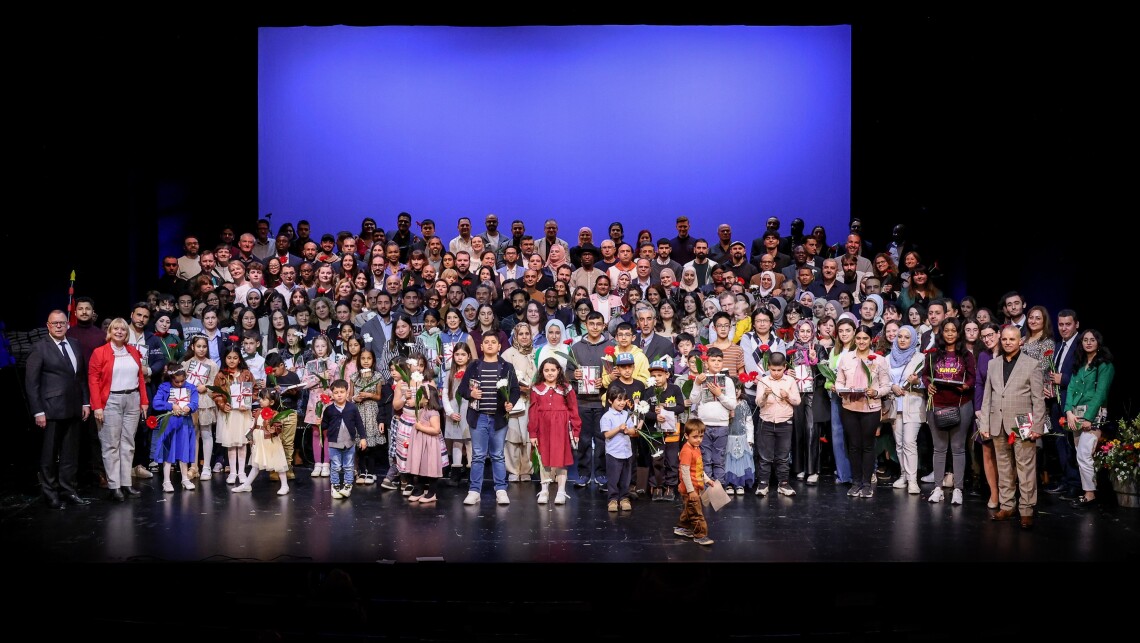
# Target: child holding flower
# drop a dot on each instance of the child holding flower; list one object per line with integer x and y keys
{"x": 318, "y": 372}
{"x": 177, "y": 401}
{"x": 234, "y": 417}
{"x": 267, "y": 452}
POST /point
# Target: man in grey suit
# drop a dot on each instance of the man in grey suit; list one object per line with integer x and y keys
{"x": 60, "y": 401}
{"x": 1014, "y": 389}
{"x": 653, "y": 345}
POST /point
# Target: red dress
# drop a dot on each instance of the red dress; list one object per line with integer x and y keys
{"x": 553, "y": 417}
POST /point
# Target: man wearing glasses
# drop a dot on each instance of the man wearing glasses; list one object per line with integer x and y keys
{"x": 56, "y": 381}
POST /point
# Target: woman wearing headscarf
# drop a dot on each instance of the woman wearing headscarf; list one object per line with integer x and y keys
{"x": 556, "y": 259}
{"x": 689, "y": 281}
{"x": 804, "y": 355}
{"x": 469, "y": 311}
{"x": 516, "y": 451}
{"x": 903, "y": 365}
{"x": 554, "y": 346}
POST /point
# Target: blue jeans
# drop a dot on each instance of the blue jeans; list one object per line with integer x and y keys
{"x": 341, "y": 464}
{"x": 838, "y": 443}
{"x": 484, "y": 435}
{"x": 713, "y": 449}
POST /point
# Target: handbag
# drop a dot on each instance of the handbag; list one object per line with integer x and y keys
{"x": 947, "y": 417}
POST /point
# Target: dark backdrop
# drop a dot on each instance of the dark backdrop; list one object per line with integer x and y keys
{"x": 992, "y": 136}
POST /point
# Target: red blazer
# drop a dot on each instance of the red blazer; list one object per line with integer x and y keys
{"x": 99, "y": 375}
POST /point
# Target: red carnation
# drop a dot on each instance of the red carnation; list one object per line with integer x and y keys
{"x": 173, "y": 345}
{"x": 267, "y": 414}
{"x": 1012, "y": 439}
{"x": 740, "y": 280}
{"x": 872, "y": 357}
{"x": 823, "y": 439}
{"x": 152, "y": 422}
{"x": 466, "y": 282}
{"x": 763, "y": 348}
{"x": 930, "y": 350}
{"x": 676, "y": 283}
{"x": 1048, "y": 352}
{"x": 234, "y": 338}
{"x": 326, "y": 398}
{"x": 610, "y": 351}
{"x": 568, "y": 342}
{"x": 459, "y": 375}
{"x": 791, "y": 350}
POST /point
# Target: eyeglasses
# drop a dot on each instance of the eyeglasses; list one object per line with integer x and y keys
{"x": 63, "y": 323}
{"x": 724, "y": 325}
{"x": 988, "y": 335}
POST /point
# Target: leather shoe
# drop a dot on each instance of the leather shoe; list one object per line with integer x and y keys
{"x": 72, "y": 499}
{"x": 130, "y": 491}
{"x": 1072, "y": 493}
{"x": 53, "y": 502}
{"x": 1004, "y": 514}
{"x": 1027, "y": 522}
{"x": 1054, "y": 488}
{"x": 116, "y": 495}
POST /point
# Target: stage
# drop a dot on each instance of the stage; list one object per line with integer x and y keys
{"x": 818, "y": 525}
{"x": 818, "y": 566}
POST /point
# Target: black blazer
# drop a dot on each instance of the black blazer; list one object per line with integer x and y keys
{"x": 505, "y": 370}
{"x": 54, "y": 389}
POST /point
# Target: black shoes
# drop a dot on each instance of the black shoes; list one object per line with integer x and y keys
{"x": 130, "y": 491}
{"x": 116, "y": 495}
{"x": 53, "y": 502}
{"x": 72, "y": 499}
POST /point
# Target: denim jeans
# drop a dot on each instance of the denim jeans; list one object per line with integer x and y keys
{"x": 341, "y": 463}
{"x": 838, "y": 443}
{"x": 484, "y": 437}
{"x": 713, "y": 449}
{"x": 591, "y": 445}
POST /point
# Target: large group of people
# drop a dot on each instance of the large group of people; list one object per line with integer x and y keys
{"x": 647, "y": 367}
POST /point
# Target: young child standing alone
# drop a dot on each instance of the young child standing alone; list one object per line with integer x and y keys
{"x": 343, "y": 427}
{"x": 692, "y": 523}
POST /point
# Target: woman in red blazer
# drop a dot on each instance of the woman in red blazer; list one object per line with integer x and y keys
{"x": 118, "y": 397}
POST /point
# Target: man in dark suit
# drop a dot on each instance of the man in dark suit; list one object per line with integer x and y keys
{"x": 60, "y": 401}
{"x": 1014, "y": 388}
{"x": 653, "y": 345}
{"x": 1064, "y": 354}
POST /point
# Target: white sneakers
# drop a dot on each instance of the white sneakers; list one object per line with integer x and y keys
{"x": 167, "y": 487}
{"x": 762, "y": 491}
{"x": 336, "y": 492}
{"x": 206, "y": 475}
{"x": 283, "y": 490}
{"x": 472, "y": 498}
{"x": 141, "y": 472}
{"x": 232, "y": 478}
{"x": 900, "y": 483}
{"x": 956, "y": 499}
{"x": 501, "y": 497}
{"x": 514, "y": 477}
{"x": 813, "y": 478}
{"x": 218, "y": 468}
{"x": 912, "y": 488}
{"x": 936, "y": 495}
{"x": 928, "y": 477}
{"x": 948, "y": 480}
{"x": 320, "y": 469}
{"x": 543, "y": 496}
{"x": 242, "y": 488}
{"x": 346, "y": 490}
{"x": 561, "y": 498}
{"x": 785, "y": 490}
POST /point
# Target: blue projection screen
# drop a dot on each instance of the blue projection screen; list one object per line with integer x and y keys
{"x": 583, "y": 124}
